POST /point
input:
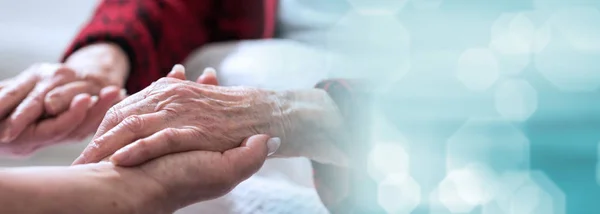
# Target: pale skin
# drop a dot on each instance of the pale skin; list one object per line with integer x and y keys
{"x": 163, "y": 185}
{"x": 174, "y": 115}
{"x": 59, "y": 103}
{"x": 154, "y": 187}
{"x": 39, "y": 109}
{"x": 306, "y": 121}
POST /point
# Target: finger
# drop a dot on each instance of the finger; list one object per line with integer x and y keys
{"x": 59, "y": 98}
{"x": 247, "y": 159}
{"x": 31, "y": 108}
{"x": 178, "y": 72}
{"x": 143, "y": 94}
{"x": 132, "y": 128}
{"x": 208, "y": 77}
{"x": 11, "y": 95}
{"x": 119, "y": 112}
{"x": 107, "y": 98}
{"x": 65, "y": 123}
{"x": 162, "y": 143}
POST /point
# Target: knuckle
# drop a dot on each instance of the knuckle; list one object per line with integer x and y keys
{"x": 173, "y": 139}
{"x": 181, "y": 88}
{"x": 54, "y": 94}
{"x": 163, "y": 80}
{"x": 143, "y": 147}
{"x": 167, "y": 80}
{"x": 171, "y": 134}
{"x": 134, "y": 123}
{"x": 170, "y": 113}
{"x": 201, "y": 133}
{"x": 175, "y": 144}
{"x": 61, "y": 70}
{"x": 12, "y": 92}
{"x": 36, "y": 100}
{"x": 113, "y": 115}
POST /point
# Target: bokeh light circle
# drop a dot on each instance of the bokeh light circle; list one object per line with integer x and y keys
{"x": 399, "y": 194}
{"x": 569, "y": 61}
{"x": 369, "y": 47}
{"x": 527, "y": 192}
{"x": 516, "y": 100}
{"x": 491, "y": 141}
{"x": 478, "y": 69}
{"x": 464, "y": 189}
{"x": 387, "y": 158}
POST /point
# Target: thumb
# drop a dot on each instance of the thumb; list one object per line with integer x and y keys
{"x": 250, "y": 156}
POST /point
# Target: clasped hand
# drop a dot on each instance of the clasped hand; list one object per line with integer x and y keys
{"x": 49, "y": 104}
{"x": 167, "y": 123}
{"x": 174, "y": 115}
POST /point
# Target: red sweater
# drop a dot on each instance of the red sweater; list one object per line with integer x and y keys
{"x": 156, "y": 34}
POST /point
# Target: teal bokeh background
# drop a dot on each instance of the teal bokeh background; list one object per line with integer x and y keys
{"x": 557, "y": 111}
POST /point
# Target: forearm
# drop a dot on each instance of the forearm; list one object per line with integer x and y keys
{"x": 105, "y": 62}
{"x": 312, "y": 123}
{"x": 83, "y": 189}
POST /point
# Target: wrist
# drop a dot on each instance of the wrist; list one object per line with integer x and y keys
{"x": 96, "y": 188}
{"x": 314, "y": 124}
{"x": 81, "y": 189}
{"x": 105, "y": 63}
{"x": 131, "y": 187}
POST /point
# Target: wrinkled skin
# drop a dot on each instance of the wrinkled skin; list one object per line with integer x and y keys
{"x": 174, "y": 115}
{"x": 49, "y": 104}
{"x": 55, "y": 104}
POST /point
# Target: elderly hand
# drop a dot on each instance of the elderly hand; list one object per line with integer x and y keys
{"x": 173, "y": 116}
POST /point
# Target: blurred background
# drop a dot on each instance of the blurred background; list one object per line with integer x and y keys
{"x": 481, "y": 106}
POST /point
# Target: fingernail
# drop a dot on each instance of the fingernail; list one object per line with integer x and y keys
{"x": 172, "y": 72}
{"x": 273, "y": 145}
{"x": 177, "y": 68}
{"x": 79, "y": 160}
{"x": 7, "y": 135}
{"x": 209, "y": 70}
{"x": 123, "y": 93}
{"x": 52, "y": 104}
{"x": 94, "y": 100}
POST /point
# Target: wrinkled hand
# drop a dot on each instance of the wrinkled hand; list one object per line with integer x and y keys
{"x": 49, "y": 104}
{"x": 173, "y": 115}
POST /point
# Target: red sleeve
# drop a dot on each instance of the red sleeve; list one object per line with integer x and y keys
{"x": 155, "y": 34}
